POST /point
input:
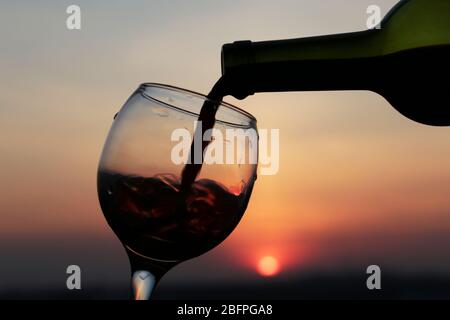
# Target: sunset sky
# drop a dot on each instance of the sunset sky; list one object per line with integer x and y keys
{"x": 358, "y": 183}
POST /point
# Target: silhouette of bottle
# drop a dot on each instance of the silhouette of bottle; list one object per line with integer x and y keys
{"x": 407, "y": 61}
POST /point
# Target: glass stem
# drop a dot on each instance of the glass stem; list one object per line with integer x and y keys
{"x": 142, "y": 284}
{"x": 145, "y": 274}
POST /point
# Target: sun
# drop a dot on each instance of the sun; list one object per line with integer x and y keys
{"x": 268, "y": 266}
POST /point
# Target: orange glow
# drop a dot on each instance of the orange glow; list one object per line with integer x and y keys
{"x": 354, "y": 173}
{"x": 268, "y": 266}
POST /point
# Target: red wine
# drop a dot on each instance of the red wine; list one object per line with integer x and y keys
{"x": 208, "y": 117}
{"x": 154, "y": 218}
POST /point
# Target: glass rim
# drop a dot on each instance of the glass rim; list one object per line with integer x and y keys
{"x": 197, "y": 94}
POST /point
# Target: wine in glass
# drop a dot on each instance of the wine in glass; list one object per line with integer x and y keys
{"x": 163, "y": 211}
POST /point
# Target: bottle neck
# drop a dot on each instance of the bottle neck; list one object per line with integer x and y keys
{"x": 336, "y": 62}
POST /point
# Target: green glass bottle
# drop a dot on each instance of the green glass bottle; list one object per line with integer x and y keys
{"x": 407, "y": 61}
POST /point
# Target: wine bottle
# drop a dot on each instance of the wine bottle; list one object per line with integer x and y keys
{"x": 407, "y": 61}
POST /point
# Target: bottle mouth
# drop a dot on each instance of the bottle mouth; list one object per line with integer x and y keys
{"x": 191, "y": 102}
{"x": 236, "y": 54}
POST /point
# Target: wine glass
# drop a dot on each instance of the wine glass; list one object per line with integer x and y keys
{"x": 159, "y": 223}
